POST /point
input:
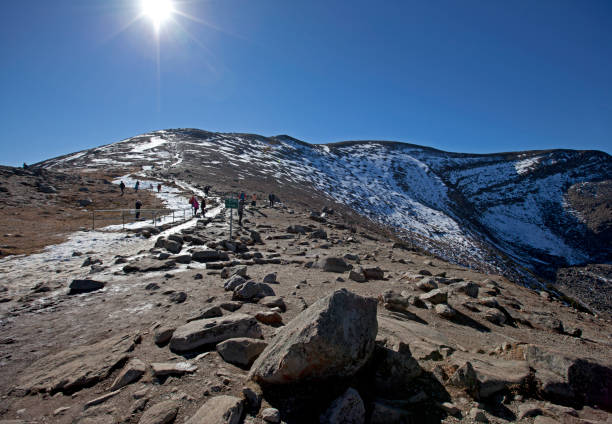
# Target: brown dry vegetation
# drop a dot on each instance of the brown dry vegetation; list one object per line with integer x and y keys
{"x": 30, "y": 219}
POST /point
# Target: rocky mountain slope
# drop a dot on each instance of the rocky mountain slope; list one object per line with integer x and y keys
{"x": 522, "y": 214}
{"x": 298, "y": 318}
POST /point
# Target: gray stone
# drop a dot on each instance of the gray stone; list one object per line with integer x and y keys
{"x": 357, "y": 275}
{"x": 332, "y": 264}
{"x": 465, "y": 378}
{"x": 494, "y": 316}
{"x": 161, "y": 369}
{"x": 466, "y": 287}
{"x": 333, "y": 338}
{"x": 273, "y": 302}
{"x": 427, "y": 284}
{"x": 435, "y": 296}
{"x": 214, "y": 330}
{"x": 162, "y": 335}
{"x": 173, "y": 246}
{"x": 241, "y": 351}
{"x": 374, "y": 273}
{"x": 129, "y": 374}
{"x": 234, "y": 282}
{"x": 270, "y": 278}
{"x": 269, "y": 318}
{"x": 211, "y": 311}
{"x": 347, "y": 409}
{"x": 219, "y": 410}
{"x": 84, "y": 286}
{"x": 271, "y": 415}
{"x": 445, "y": 311}
{"x": 161, "y": 413}
{"x": 252, "y": 291}
{"x": 209, "y": 256}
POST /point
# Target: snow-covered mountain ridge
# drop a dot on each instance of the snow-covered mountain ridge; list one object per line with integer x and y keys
{"x": 496, "y": 210}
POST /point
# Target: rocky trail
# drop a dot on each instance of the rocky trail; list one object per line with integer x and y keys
{"x": 298, "y": 318}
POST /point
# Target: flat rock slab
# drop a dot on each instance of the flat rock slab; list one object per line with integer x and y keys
{"x": 219, "y": 410}
{"x": 161, "y": 413}
{"x": 161, "y": 369}
{"x": 73, "y": 369}
{"x": 149, "y": 265}
{"x": 241, "y": 351}
{"x": 333, "y": 338}
{"x": 214, "y": 330}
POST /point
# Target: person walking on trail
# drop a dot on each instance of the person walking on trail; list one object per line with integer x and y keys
{"x": 136, "y": 185}
{"x": 242, "y": 196}
{"x": 240, "y": 212}
{"x": 138, "y": 206}
{"x": 203, "y": 206}
{"x": 192, "y": 202}
{"x": 122, "y": 187}
{"x": 196, "y": 206}
{"x": 271, "y": 199}
{"x": 206, "y": 190}
{"x": 254, "y": 200}
{"x": 159, "y": 188}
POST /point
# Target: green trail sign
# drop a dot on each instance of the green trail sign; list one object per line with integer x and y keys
{"x": 231, "y": 203}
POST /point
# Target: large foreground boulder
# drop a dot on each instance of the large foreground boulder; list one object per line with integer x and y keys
{"x": 333, "y": 338}
{"x": 214, "y": 330}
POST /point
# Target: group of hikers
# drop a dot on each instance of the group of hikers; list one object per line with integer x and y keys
{"x": 195, "y": 205}
{"x": 137, "y": 186}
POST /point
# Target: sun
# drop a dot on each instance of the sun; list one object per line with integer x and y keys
{"x": 157, "y": 10}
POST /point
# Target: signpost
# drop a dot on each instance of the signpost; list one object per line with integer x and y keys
{"x": 231, "y": 204}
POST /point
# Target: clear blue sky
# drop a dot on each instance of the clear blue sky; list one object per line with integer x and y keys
{"x": 461, "y": 75}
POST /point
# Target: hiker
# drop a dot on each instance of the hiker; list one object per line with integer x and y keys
{"x": 242, "y": 196}
{"x": 138, "y": 206}
{"x": 254, "y": 200}
{"x": 122, "y": 187}
{"x": 192, "y": 201}
{"x": 203, "y": 205}
{"x": 136, "y": 185}
{"x": 240, "y": 211}
{"x": 159, "y": 188}
{"x": 271, "y": 199}
{"x": 196, "y": 206}
{"x": 206, "y": 189}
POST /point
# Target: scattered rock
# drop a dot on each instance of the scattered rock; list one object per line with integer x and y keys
{"x": 178, "y": 297}
{"x": 234, "y": 282}
{"x": 435, "y": 296}
{"x": 270, "y": 278}
{"x": 478, "y": 415}
{"x": 219, "y": 410}
{"x": 129, "y": 374}
{"x": 209, "y": 256}
{"x": 273, "y": 302}
{"x": 214, "y": 330}
{"x": 241, "y": 351}
{"x": 494, "y": 316}
{"x": 427, "y": 284}
{"x": 84, "y": 286}
{"x": 161, "y": 413}
{"x": 332, "y": 264}
{"x": 466, "y": 287}
{"x": 269, "y": 318}
{"x": 252, "y": 290}
{"x": 163, "y": 335}
{"x": 271, "y": 415}
{"x": 374, "y": 273}
{"x": 161, "y": 369}
{"x": 357, "y": 275}
{"x": 445, "y": 311}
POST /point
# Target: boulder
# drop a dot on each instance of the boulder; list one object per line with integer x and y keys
{"x": 129, "y": 374}
{"x": 214, "y": 330}
{"x": 240, "y": 270}
{"x": 494, "y": 315}
{"x": 445, "y": 311}
{"x": 234, "y": 282}
{"x": 271, "y": 415}
{"x": 357, "y": 275}
{"x": 210, "y": 311}
{"x": 84, "y": 286}
{"x": 163, "y": 335}
{"x": 332, "y": 264}
{"x": 241, "y": 351}
{"x": 75, "y": 368}
{"x": 270, "y": 278}
{"x": 318, "y": 234}
{"x": 333, "y": 338}
{"x": 427, "y": 284}
{"x": 209, "y": 256}
{"x": 435, "y": 296}
{"x": 273, "y": 302}
{"x": 173, "y": 246}
{"x": 160, "y": 413}
{"x": 269, "y": 318}
{"x": 252, "y": 291}
{"x": 348, "y": 408}
{"x": 466, "y": 287}
{"x": 219, "y": 410}
{"x": 374, "y": 273}
{"x": 149, "y": 265}
{"x": 465, "y": 378}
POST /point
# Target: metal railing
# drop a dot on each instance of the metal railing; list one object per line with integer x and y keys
{"x": 126, "y": 216}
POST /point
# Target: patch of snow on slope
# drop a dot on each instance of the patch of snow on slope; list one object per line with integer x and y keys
{"x": 153, "y": 142}
{"x": 526, "y": 165}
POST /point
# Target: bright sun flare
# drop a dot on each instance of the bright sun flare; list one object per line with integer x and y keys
{"x": 157, "y": 10}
